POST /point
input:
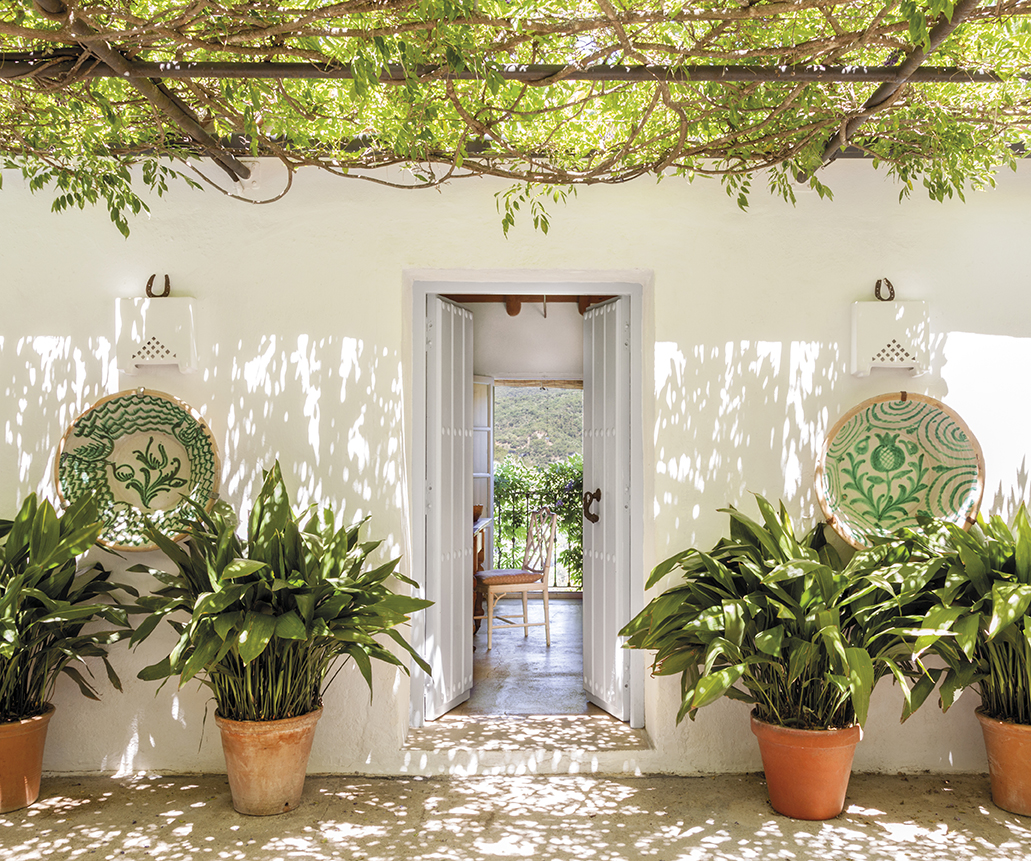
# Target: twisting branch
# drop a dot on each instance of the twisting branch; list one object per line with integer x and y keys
{"x": 155, "y": 93}
{"x": 886, "y": 92}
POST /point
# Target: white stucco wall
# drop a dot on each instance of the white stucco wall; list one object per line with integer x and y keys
{"x": 303, "y": 328}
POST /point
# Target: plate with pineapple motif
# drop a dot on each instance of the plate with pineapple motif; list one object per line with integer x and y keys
{"x": 146, "y": 456}
{"x": 893, "y": 459}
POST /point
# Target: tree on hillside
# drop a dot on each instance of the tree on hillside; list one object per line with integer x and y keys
{"x": 539, "y": 427}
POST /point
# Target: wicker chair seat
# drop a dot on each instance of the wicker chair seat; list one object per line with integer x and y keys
{"x": 506, "y": 577}
{"x": 498, "y": 583}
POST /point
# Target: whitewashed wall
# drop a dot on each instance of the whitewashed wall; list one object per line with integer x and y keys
{"x": 304, "y": 340}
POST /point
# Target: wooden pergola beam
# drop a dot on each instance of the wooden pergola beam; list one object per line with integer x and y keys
{"x": 64, "y": 63}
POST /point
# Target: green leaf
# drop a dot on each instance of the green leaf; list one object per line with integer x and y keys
{"x": 21, "y": 527}
{"x": 734, "y": 614}
{"x": 85, "y": 688}
{"x": 225, "y": 623}
{"x": 255, "y": 632}
{"x": 861, "y": 677}
{"x": 956, "y": 680}
{"x": 45, "y": 535}
{"x": 200, "y": 659}
{"x": 966, "y": 629}
{"x": 801, "y": 658}
{"x": 290, "y": 627}
{"x": 145, "y": 628}
{"x": 938, "y": 623}
{"x": 711, "y": 687}
{"x": 1009, "y": 603}
{"x": 242, "y": 568}
{"x": 1022, "y": 550}
{"x": 364, "y": 666}
{"x": 216, "y": 602}
{"x": 920, "y": 692}
{"x": 161, "y": 670}
{"x": 769, "y": 642}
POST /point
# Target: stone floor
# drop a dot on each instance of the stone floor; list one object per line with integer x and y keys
{"x": 581, "y": 817}
{"x": 521, "y": 675}
{"x": 528, "y": 714}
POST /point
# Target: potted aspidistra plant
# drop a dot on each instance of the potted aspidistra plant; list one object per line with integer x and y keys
{"x": 979, "y": 624}
{"x": 48, "y": 598}
{"x": 263, "y": 621}
{"x": 781, "y": 623}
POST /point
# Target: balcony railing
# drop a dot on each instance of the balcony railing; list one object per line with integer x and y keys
{"x": 511, "y": 515}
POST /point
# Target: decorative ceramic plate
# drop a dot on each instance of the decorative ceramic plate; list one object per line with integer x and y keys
{"x": 894, "y": 458}
{"x": 144, "y": 454}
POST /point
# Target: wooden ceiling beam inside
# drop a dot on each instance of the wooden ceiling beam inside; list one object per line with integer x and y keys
{"x": 514, "y": 302}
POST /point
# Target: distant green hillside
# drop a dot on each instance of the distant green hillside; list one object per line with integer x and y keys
{"x": 540, "y": 427}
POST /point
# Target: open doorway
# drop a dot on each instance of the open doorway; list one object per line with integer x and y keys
{"x": 443, "y": 339}
{"x": 537, "y": 442}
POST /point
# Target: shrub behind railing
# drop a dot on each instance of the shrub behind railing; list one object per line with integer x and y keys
{"x": 519, "y": 490}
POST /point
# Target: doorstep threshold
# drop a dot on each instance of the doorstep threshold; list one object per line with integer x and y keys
{"x": 471, "y": 745}
{"x": 584, "y": 732}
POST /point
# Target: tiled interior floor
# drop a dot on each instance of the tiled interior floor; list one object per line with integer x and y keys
{"x": 522, "y": 675}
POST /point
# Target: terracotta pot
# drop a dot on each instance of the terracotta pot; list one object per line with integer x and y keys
{"x": 21, "y": 760}
{"x": 266, "y": 761}
{"x": 807, "y": 770}
{"x": 1009, "y": 763}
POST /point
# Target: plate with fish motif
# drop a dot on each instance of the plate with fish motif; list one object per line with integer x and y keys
{"x": 146, "y": 456}
{"x": 893, "y": 459}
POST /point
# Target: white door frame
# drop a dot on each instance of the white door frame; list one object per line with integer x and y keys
{"x": 634, "y": 283}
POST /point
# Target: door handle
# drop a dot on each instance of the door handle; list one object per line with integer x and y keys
{"x": 589, "y": 498}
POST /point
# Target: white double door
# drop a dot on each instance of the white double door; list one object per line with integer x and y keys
{"x": 445, "y": 632}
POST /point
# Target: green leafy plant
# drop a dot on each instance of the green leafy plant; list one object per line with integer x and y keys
{"x": 782, "y": 623}
{"x": 270, "y": 615}
{"x": 46, "y": 602}
{"x": 82, "y": 138}
{"x": 518, "y": 488}
{"x": 979, "y": 618}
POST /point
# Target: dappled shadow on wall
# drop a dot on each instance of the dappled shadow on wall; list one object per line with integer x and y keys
{"x": 739, "y": 417}
{"x": 329, "y": 408}
{"x": 753, "y": 416}
{"x": 985, "y": 375}
{"x": 48, "y": 377}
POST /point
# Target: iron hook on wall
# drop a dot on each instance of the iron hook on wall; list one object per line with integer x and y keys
{"x": 891, "y": 290}
{"x": 150, "y": 288}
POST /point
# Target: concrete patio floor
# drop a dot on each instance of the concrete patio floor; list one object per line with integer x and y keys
{"x": 725, "y": 818}
{"x": 511, "y": 753}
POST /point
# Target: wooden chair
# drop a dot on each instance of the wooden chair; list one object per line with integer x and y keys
{"x": 495, "y": 584}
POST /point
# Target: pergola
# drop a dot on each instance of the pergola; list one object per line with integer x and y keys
{"x": 546, "y": 94}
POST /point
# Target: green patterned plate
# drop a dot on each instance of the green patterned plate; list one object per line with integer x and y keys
{"x": 144, "y": 454}
{"x": 896, "y": 457}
